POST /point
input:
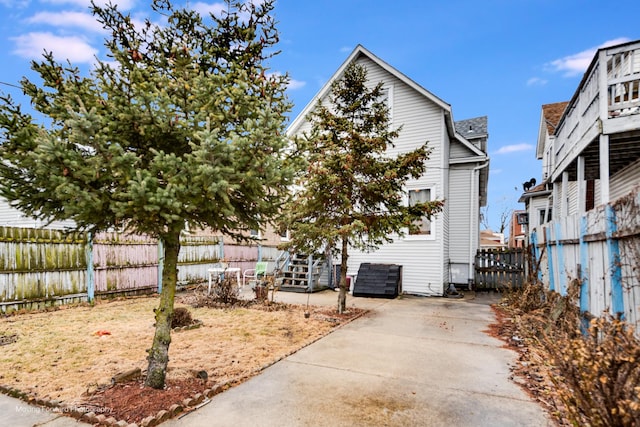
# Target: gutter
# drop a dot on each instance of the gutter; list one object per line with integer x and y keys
{"x": 473, "y": 174}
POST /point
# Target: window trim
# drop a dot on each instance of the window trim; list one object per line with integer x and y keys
{"x": 432, "y": 222}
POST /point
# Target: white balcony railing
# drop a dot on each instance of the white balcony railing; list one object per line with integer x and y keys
{"x": 623, "y": 83}
{"x": 601, "y": 103}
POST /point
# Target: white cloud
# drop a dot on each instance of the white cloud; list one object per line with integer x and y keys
{"x": 15, "y": 3}
{"x": 205, "y": 8}
{"x": 122, "y": 4}
{"x": 578, "y": 63}
{"x": 293, "y": 84}
{"x": 296, "y": 84}
{"x": 495, "y": 171}
{"x": 346, "y": 49}
{"x": 536, "y": 81}
{"x": 67, "y": 19}
{"x": 75, "y": 49}
{"x": 514, "y": 148}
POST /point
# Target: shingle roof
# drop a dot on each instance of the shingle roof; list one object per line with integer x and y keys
{"x": 552, "y": 114}
{"x": 472, "y": 128}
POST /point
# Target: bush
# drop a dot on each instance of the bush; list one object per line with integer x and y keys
{"x": 599, "y": 374}
{"x": 593, "y": 372}
{"x": 181, "y": 317}
{"x": 226, "y": 291}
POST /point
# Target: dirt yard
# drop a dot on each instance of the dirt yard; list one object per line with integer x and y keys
{"x": 71, "y": 354}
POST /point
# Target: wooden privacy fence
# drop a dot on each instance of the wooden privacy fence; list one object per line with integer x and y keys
{"x": 41, "y": 267}
{"x": 497, "y": 268}
{"x": 602, "y": 250}
{"x": 123, "y": 263}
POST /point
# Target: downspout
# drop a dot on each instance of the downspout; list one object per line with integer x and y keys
{"x": 471, "y": 215}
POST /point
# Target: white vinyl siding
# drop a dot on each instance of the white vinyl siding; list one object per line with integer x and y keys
{"x": 625, "y": 180}
{"x": 12, "y": 217}
{"x": 557, "y": 197}
{"x": 444, "y": 215}
{"x": 460, "y": 206}
{"x": 535, "y": 206}
{"x": 462, "y": 244}
{"x": 458, "y": 150}
{"x": 420, "y": 260}
{"x": 421, "y": 116}
{"x": 421, "y": 257}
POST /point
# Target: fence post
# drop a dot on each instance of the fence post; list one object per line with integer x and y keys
{"x": 160, "y": 263}
{"x": 91, "y": 278}
{"x": 547, "y": 239}
{"x": 562, "y": 278}
{"x": 310, "y": 273}
{"x": 584, "y": 262}
{"x": 617, "y": 299}
{"x": 536, "y": 254}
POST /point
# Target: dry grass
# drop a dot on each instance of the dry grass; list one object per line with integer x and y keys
{"x": 64, "y": 354}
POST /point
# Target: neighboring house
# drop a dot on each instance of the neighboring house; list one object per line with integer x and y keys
{"x": 590, "y": 145}
{"x": 12, "y": 217}
{"x": 490, "y": 239}
{"x": 457, "y": 171}
{"x": 537, "y": 199}
{"x": 517, "y": 229}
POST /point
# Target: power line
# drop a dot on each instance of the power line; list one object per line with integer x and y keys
{"x": 10, "y": 84}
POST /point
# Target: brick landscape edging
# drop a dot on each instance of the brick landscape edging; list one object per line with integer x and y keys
{"x": 187, "y": 405}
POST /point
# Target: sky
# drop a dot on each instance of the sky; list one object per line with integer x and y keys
{"x": 502, "y": 59}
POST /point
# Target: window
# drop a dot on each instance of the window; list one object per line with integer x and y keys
{"x": 253, "y": 233}
{"x": 542, "y": 213}
{"x": 284, "y": 235}
{"x": 421, "y": 195}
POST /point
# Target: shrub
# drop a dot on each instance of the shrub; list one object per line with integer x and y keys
{"x": 181, "y": 317}
{"x": 592, "y": 371}
{"x": 599, "y": 374}
{"x": 226, "y": 291}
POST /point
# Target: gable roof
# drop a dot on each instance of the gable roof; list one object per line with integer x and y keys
{"x": 479, "y": 124}
{"x": 362, "y": 51}
{"x": 549, "y": 120}
{"x": 357, "y": 52}
{"x": 472, "y": 128}
{"x": 475, "y": 131}
{"x": 552, "y": 114}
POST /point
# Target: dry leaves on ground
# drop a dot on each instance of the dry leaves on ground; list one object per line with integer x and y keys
{"x": 71, "y": 354}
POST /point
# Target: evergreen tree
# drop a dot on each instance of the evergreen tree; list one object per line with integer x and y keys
{"x": 183, "y": 125}
{"x": 351, "y": 194}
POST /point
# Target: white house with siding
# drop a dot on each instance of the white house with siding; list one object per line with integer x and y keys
{"x": 12, "y": 217}
{"x": 590, "y": 145}
{"x": 583, "y": 218}
{"x": 456, "y": 171}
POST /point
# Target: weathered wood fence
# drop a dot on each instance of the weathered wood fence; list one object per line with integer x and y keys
{"x": 41, "y": 267}
{"x": 499, "y": 269}
{"x": 602, "y": 250}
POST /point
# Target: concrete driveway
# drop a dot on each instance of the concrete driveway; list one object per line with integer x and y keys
{"x": 411, "y": 361}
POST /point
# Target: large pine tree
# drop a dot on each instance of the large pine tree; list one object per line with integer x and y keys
{"x": 183, "y": 125}
{"x": 351, "y": 195}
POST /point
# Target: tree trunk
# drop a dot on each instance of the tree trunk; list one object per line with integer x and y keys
{"x": 159, "y": 353}
{"x": 342, "y": 295}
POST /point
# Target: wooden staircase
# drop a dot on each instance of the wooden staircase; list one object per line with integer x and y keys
{"x": 301, "y": 274}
